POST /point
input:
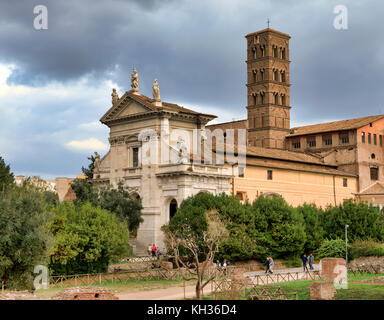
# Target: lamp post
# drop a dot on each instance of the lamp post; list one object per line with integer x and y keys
{"x": 346, "y": 244}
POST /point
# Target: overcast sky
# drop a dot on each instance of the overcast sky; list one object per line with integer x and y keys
{"x": 55, "y": 84}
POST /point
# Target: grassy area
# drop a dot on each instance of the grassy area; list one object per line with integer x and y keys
{"x": 118, "y": 287}
{"x": 355, "y": 291}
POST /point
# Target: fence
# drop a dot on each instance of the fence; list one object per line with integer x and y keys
{"x": 367, "y": 268}
{"x": 224, "y": 288}
{"x": 128, "y": 275}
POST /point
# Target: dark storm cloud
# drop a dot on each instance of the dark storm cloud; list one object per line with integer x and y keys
{"x": 197, "y": 50}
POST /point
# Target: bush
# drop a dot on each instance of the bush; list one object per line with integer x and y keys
{"x": 366, "y": 249}
{"x": 87, "y": 238}
{"x": 331, "y": 249}
{"x": 24, "y": 238}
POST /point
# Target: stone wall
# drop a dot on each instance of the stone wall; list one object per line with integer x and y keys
{"x": 85, "y": 293}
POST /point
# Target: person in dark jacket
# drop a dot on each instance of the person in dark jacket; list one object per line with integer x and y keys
{"x": 305, "y": 261}
{"x": 266, "y": 263}
{"x": 311, "y": 260}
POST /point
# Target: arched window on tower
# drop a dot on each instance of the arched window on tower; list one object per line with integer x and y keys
{"x": 283, "y": 101}
{"x": 262, "y": 97}
{"x": 262, "y": 48}
{"x": 274, "y": 50}
{"x": 262, "y": 74}
{"x": 276, "y": 96}
{"x": 254, "y": 99}
{"x": 172, "y": 208}
{"x": 282, "y": 76}
{"x": 254, "y": 52}
{"x": 283, "y": 54}
{"x": 254, "y": 75}
{"x": 275, "y": 75}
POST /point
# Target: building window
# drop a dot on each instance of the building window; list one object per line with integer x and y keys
{"x": 276, "y": 98}
{"x": 344, "y": 138}
{"x": 369, "y": 138}
{"x": 373, "y": 156}
{"x": 283, "y": 76}
{"x": 374, "y": 139}
{"x": 296, "y": 144}
{"x": 172, "y": 208}
{"x": 275, "y": 75}
{"x": 345, "y": 182}
{"x": 311, "y": 142}
{"x": 363, "y": 137}
{"x": 381, "y": 140}
{"x": 269, "y": 175}
{"x": 374, "y": 173}
{"x": 241, "y": 172}
{"x": 240, "y": 195}
{"x": 283, "y": 55}
{"x": 135, "y": 162}
{"x": 275, "y": 52}
{"x": 327, "y": 140}
{"x": 283, "y": 100}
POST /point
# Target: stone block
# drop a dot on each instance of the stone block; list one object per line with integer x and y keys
{"x": 330, "y": 268}
{"x": 322, "y": 291}
{"x": 85, "y": 293}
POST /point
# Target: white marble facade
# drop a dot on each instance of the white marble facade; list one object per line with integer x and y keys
{"x": 150, "y": 148}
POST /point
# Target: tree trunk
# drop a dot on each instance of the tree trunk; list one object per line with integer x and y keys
{"x": 198, "y": 289}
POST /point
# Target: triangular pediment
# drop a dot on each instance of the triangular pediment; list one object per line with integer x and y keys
{"x": 376, "y": 188}
{"x": 125, "y": 107}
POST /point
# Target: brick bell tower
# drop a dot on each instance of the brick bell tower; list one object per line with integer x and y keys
{"x": 268, "y": 88}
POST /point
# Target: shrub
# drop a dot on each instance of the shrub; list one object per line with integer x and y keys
{"x": 87, "y": 238}
{"x": 24, "y": 238}
{"x": 367, "y": 249}
{"x": 334, "y": 248}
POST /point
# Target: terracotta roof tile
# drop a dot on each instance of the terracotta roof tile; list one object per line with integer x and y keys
{"x": 334, "y": 126}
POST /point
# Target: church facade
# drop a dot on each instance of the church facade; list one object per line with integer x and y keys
{"x": 162, "y": 153}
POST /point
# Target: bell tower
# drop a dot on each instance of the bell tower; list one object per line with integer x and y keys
{"x": 268, "y": 88}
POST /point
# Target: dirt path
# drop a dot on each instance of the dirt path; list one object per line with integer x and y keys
{"x": 178, "y": 293}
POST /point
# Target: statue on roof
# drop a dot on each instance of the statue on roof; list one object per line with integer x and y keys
{"x": 156, "y": 91}
{"x": 115, "y": 96}
{"x": 96, "y": 166}
{"x": 135, "y": 81}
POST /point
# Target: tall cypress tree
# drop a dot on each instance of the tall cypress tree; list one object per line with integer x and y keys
{"x": 6, "y": 176}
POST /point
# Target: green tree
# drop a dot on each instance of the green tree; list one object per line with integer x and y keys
{"x": 87, "y": 238}
{"x": 89, "y": 171}
{"x": 280, "y": 227}
{"x": 334, "y": 248}
{"x": 313, "y": 226}
{"x": 6, "y": 176}
{"x": 24, "y": 237}
{"x": 120, "y": 202}
{"x": 365, "y": 221}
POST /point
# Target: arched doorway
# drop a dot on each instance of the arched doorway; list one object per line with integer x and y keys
{"x": 172, "y": 208}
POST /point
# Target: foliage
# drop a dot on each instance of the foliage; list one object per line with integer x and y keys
{"x": 89, "y": 171}
{"x": 280, "y": 227}
{"x": 334, "y": 248}
{"x": 87, "y": 238}
{"x": 314, "y": 230}
{"x": 366, "y": 249}
{"x": 6, "y": 176}
{"x": 118, "y": 201}
{"x": 365, "y": 221}
{"x": 24, "y": 238}
{"x": 199, "y": 244}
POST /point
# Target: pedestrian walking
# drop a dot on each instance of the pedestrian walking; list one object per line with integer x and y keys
{"x": 311, "y": 260}
{"x": 271, "y": 265}
{"x": 154, "y": 249}
{"x": 149, "y": 249}
{"x": 267, "y": 265}
{"x": 305, "y": 261}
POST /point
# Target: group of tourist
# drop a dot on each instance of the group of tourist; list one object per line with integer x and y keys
{"x": 269, "y": 263}
{"x": 222, "y": 267}
{"x": 307, "y": 261}
{"x": 153, "y": 251}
